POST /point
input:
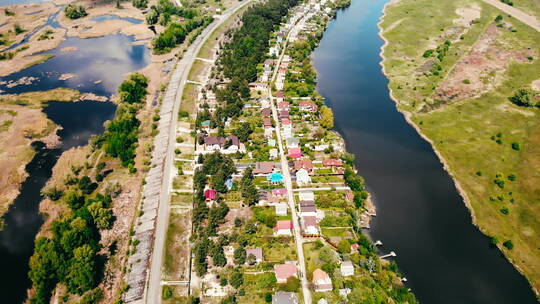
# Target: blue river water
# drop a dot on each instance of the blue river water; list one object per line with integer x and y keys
{"x": 420, "y": 214}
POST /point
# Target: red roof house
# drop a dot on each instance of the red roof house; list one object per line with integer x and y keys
{"x": 210, "y": 194}
{"x": 283, "y": 227}
{"x": 295, "y": 153}
{"x": 284, "y": 271}
{"x": 303, "y": 164}
{"x": 332, "y": 163}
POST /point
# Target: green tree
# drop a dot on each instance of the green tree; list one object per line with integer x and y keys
{"x": 74, "y": 11}
{"x": 239, "y": 256}
{"x": 524, "y": 98}
{"x": 344, "y": 246}
{"x": 508, "y": 244}
{"x": 237, "y": 279}
{"x": 101, "y": 216}
{"x": 81, "y": 275}
{"x": 327, "y": 117}
{"x": 292, "y": 285}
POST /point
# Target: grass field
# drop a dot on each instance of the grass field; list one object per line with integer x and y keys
{"x": 474, "y": 135}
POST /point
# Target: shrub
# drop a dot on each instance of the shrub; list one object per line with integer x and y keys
{"x": 508, "y": 244}
{"x": 74, "y": 11}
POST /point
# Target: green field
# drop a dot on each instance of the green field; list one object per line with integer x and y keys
{"x": 474, "y": 134}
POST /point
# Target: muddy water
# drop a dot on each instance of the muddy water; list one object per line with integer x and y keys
{"x": 421, "y": 216}
{"x": 99, "y": 65}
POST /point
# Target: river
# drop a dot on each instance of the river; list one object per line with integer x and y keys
{"x": 420, "y": 214}
{"x": 99, "y": 66}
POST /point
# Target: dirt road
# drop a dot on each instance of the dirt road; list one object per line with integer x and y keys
{"x": 514, "y": 12}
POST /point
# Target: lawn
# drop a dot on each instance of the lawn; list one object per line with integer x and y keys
{"x": 475, "y": 135}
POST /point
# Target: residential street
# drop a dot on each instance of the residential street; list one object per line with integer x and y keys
{"x": 173, "y": 96}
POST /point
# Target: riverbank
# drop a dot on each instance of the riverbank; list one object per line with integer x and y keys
{"x": 458, "y": 159}
{"x": 21, "y": 123}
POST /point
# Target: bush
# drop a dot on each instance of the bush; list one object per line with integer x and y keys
{"x": 167, "y": 292}
{"x": 523, "y": 98}
{"x": 140, "y": 3}
{"x": 508, "y": 244}
{"x": 74, "y": 11}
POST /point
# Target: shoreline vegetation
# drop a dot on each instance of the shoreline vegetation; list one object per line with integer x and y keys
{"x": 472, "y": 192}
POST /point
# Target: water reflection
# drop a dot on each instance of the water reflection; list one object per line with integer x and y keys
{"x": 98, "y": 64}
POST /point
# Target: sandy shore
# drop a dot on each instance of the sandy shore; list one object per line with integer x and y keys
{"x": 443, "y": 161}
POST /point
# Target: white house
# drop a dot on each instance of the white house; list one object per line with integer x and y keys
{"x": 306, "y": 196}
{"x": 293, "y": 142}
{"x": 309, "y": 225}
{"x": 302, "y": 177}
{"x": 281, "y": 209}
{"x": 347, "y": 268}
{"x": 308, "y": 211}
{"x": 273, "y": 153}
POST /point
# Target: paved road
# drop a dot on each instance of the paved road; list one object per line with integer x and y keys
{"x": 288, "y": 183}
{"x": 516, "y": 13}
{"x": 153, "y": 293}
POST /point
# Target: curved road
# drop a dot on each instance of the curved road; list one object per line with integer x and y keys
{"x": 174, "y": 96}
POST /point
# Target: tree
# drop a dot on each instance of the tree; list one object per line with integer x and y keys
{"x": 344, "y": 247}
{"x": 81, "y": 274}
{"x": 140, "y": 3}
{"x": 152, "y": 16}
{"x": 239, "y": 256}
{"x": 292, "y": 285}
{"x": 508, "y": 244}
{"x": 53, "y": 193}
{"x": 237, "y": 279}
{"x": 326, "y": 255}
{"x": 327, "y": 118}
{"x": 524, "y": 98}
{"x": 251, "y": 259}
{"x": 73, "y": 11}
{"x": 102, "y": 217}
{"x": 218, "y": 258}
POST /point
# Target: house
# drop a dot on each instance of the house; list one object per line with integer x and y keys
{"x": 302, "y": 177}
{"x": 263, "y": 197}
{"x": 305, "y": 164}
{"x": 210, "y": 194}
{"x": 283, "y": 114}
{"x": 266, "y": 112}
{"x": 205, "y": 125}
{"x": 257, "y": 253}
{"x": 275, "y": 178}
{"x": 281, "y": 209}
{"x": 293, "y": 142}
{"x": 264, "y": 167}
{"x": 268, "y": 63}
{"x": 286, "y": 124}
{"x": 306, "y": 203}
{"x": 286, "y": 133}
{"x": 267, "y": 122}
{"x": 286, "y": 58}
{"x": 308, "y": 210}
{"x": 330, "y": 163}
{"x": 309, "y": 225}
{"x": 283, "y": 105}
{"x": 347, "y": 268}
{"x": 272, "y": 142}
{"x": 279, "y": 192}
{"x": 258, "y": 86}
{"x": 295, "y": 153}
{"x": 283, "y": 227}
{"x": 273, "y": 153}
{"x": 284, "y": 271}
{"x": 265, "y": 103}
{"x": 322, "y": 301}
{"x": 308, "y": 106}
{"x": 269, "y": 132}
{"x": 228, "y": 144}
{"x": 274, "y": 51}
{"x": 321, "y": 281}
{"x": 306, "y": 196}
{"x": 283, "y": 297}
{"x": 354, "y": 247}
{"x": 280, "y": 96}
